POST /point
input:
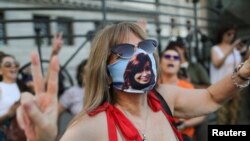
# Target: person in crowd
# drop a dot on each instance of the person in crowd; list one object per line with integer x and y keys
{"x": 195, "y": 73}
{"x": 72, "y": 98}
{"x": 170, "y": 61}
{"x": 10, "y": 88}
{"x": 110, "y": 113}
{"x": 224, "y": 54}
{"x": 224, "y": 58}
{"x": 191, "y": 71}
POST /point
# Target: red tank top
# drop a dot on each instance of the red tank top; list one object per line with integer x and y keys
{"x": 116, "y": 119}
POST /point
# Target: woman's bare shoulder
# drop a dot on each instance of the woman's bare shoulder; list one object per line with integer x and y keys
{"x": 167, "y": 89}
{"x": 168, "y": 92}
{"x": 87, "y": 127}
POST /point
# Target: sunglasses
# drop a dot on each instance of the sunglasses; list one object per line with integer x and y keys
{"x": 126, "y": 51}
{"x": 174, "y": 57}
{"x": 11, "y": 64}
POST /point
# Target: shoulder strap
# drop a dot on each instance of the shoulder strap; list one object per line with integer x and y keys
{"x": 168, "y": 111}
{"x": 163, "y": 103}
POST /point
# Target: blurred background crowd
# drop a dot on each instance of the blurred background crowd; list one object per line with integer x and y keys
{"x": 199, "y": 42}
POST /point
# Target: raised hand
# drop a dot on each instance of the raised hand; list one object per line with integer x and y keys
{"x": 38, "y": 113}
{"x": 143, "y": 24}
{"x": 57, "y": 43}
{"x": 236, "y": 42}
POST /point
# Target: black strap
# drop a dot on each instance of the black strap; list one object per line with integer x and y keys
{"x": 168, "y": 111}
{"x": 163, "y": 103}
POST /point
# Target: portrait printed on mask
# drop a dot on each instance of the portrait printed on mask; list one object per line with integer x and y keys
{"x": 134, "y": 75}
{"x": 139, "y": 73}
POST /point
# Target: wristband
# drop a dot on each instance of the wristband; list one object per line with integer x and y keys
{"x": 236, "y": 75}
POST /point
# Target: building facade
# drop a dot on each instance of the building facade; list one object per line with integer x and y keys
{"x": 25, "y": 22}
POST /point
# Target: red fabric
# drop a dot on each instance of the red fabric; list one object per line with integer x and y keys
{"x": 116, "y": 118}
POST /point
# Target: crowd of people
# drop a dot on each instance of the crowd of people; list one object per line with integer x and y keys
{"x": 126, "y": 90}
{"x": 170, "y": 64}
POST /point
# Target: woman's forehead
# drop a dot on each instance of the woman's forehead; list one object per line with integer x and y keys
{"x": 171, "y": 52}
{"x": 8, "y": 58}
{"x": 131, "y": 39}
{"x": 230, "y": 31}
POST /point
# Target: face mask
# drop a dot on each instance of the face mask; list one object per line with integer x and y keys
{"x": 134, "y": 75}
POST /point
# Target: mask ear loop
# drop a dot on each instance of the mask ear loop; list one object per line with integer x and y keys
{"x": 109, "y": 88}
{"x": 111, "y": 95}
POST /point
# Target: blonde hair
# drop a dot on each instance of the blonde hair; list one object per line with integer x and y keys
{"x": 96, "y": 75}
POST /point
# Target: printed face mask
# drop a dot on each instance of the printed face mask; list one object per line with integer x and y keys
{"x": 134, "y": 75}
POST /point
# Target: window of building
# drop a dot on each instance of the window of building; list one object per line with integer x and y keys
{"x": 42, "y": 27}
{"x": 172, "y": 23}
{"x": 2, "y": 30}
{"x": 65, "y": 25}
{"x": 98, "y": 25}
{"x": 188, "y": 25}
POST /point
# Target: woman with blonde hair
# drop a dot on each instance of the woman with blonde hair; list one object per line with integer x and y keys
{"x": 110, "y": 112}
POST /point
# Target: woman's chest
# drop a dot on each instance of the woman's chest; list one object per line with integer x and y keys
{"x": 156, "y": 128}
